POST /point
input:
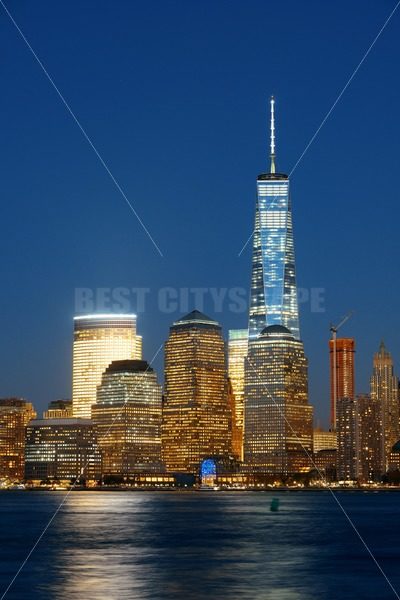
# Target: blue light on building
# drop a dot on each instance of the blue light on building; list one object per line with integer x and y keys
{"x": 208, "y": 468}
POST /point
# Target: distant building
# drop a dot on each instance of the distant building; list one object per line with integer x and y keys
{"x": 324, "y": 440}
{"x": 347, "y": 427}
{"x": 128, "y": 416}
{"x": 370, "y": 438}
{"x": 64, "y": 449}
{"x": 98, "y": 341}
{"x": 325, "y": 453}
{"x": 345, "y": 351}
{"x": 196, "y": 413}
{"x": 237, "y": 352}
{"x": 236, "y": 431}
{"x": 385, "y": 391}
{"x": 15, "y": 414}
{"x": 278, "y": 431}
{"x": 58, "y": 409}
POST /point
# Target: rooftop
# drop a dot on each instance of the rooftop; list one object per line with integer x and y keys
{"x": 196, "y": 318}
{"x": 277, "y": 332}
{"x": 129, "y": 366}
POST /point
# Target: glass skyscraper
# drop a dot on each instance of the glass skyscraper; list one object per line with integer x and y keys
{"x": 273, "y": 296}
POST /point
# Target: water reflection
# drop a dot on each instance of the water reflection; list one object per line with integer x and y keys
{"x": 176, "y": 546}
{"x": 173, "y": 546}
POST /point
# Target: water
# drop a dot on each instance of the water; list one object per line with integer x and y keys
{"x": 199, "y": 545}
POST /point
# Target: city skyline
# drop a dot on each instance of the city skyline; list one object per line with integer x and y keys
{"x": 57, "y": 214}
{"x": 200, "y": 391}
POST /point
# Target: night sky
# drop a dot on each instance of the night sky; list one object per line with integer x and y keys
{"x": 174, "y": 97}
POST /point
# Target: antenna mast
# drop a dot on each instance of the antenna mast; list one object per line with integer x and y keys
{"x": 272, "y": 135}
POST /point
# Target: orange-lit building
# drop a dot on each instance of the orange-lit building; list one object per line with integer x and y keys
{"x": 99, "y": 339}
{"x": 237, "y": 351}
{"x": 196, "y": 411}
{"x": 15, "y": 414}
{"x": 345, "y": 350}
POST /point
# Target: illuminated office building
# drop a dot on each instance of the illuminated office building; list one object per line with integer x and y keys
{"x": 345, "y": 351}
{"x": 324, "y": 440}
{"x": 98, "y": 341}
{"x": 347, "y": 427}
{"x": 236, "y": 432}
{"x": 278, "y": 420}
{"x": 325, "y": 453}
{"x": 62, "y": 449}
{"x": 15, "y": 414}
{"x": 384, "y": 390}
{"x": 369, "y": 438}
{"x": 58, "y": 409}
{"x": 128, "y": 417}
{"x": 196, "y": 414}
{"x": 273, "y": 295}
{"x": 237, "y": 352}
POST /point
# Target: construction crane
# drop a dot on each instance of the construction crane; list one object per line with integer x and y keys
{"x": 334, "y": 329}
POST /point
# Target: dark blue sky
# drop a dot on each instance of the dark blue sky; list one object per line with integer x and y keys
{"x": 173, "y": 95}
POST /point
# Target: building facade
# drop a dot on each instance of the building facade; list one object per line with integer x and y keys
{"x": 98, "y": 341}
{"x": 237, "y": 351}
{"x": 273, "y": 294}
{"x": 384, "y": 389}
{"x": 369, "y": 438}
{"x": 62, "y": 449}
{"x": 15, "y": 414}
{"x": 347, "y": 439}
{"x": 128, "y": 418}
{"x": 196, "y": 412}
{"x": 278, "y": 420}
{"x": 344, "y": 366}
{"x": 325, "y": 453}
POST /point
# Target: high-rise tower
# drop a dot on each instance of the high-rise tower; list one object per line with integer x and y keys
{"x": 196, "y": 412}
{"x": 98, "y": 341}
{"x": 385, "y": 391}
{"x": 273, "y": 296}
{"x": 128, "y": 418}
{"x": 278, "y": 419}
{"x": 237, "y": 352}
{"x": 343, "y": 368}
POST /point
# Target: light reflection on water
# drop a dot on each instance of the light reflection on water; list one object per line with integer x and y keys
{"x": 191, "y": 545}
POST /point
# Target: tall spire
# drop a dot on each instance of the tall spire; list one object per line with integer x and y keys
{"x": 272, "y": 135}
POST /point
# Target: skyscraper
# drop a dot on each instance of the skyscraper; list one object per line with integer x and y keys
{"x": 385, "y": 391}
{"x": 347, "y": 427}
{"x": 278, "y": 420}
{"x": 98, "y": 340}
{"x": 369, "y": 438}
{"x": 237, "y": 352}
{"x": 344, "y": 366}
{"x": 273, "y": 295}
{"x": 15, "y": 414}
{"x": 128, "y": 418}
{"x": 196, "y": 412}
